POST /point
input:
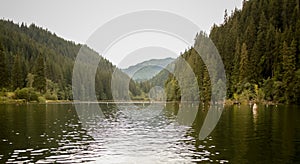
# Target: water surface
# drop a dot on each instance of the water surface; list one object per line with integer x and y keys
{"x": 131, "y": 134}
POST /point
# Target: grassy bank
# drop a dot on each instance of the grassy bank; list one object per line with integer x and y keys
{"x": 27, "y": 95}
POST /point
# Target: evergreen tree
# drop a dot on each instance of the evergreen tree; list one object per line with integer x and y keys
{"x": 244, "y": 64}
{"x": 250, "y": 36}
{"x": 17, "y": 81}
{"x": 4, "y": 76}
{"x": 289, "y": 67}
{"x": 236, "y": 69}
{"x": 258, "y": 51}
{"x": 206, "y": 86}
{"x": 40, "y": 79}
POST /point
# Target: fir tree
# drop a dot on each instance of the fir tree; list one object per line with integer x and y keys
{"x": 289, "y": 67}
{"x": 244, "y": 64}
{"x": 4, "y": 76}
{"x": 40, "y": 79}
{"x": 17, "y": 81}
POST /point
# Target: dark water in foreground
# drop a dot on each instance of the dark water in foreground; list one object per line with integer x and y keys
{"x": 128, "y": 134}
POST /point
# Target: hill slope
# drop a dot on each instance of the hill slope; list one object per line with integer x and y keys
{"x": 36, "y": 58}
{"x": 147, "y": 69}
{"x": 260, "y": 49}
{"x": 260, "y": 45}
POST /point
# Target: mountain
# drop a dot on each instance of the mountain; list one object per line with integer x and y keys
{"x": 147, "y": 69}
{"x": 41, "y": 62}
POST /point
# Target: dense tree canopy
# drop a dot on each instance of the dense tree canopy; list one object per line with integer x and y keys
{"x": 266, "y": 52}
{"x": 33, "y": 57}
{"x": 259, "y": 46}
{"x": 260, "y": 49}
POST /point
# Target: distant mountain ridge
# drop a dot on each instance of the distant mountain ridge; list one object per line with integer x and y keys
{"x": 147, "y": 69}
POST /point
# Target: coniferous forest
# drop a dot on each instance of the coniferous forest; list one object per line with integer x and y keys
{"x": 259, "y": 45}
{"x": 232, "y": 96}
{"x": 260, "y": 48}
{"x": 37, "y": 65}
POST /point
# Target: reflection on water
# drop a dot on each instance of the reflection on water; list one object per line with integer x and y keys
{"x": 255, "y": 116}
{"x": 132, "y": 134}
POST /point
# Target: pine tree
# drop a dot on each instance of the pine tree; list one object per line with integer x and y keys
{"x": 289, "y": 67}
{"x": 236, "y": 69}
{"x": 258, "y": 51}
{"x": 206, "y": 86}
{"x": 17, "y": 81}
{"x": 277, "y": 57}
{"x": 250, "y": 36}
{"x": 40, "y": 79}
{"x": 244, "y": 64}
{"x": 3, "y": 70}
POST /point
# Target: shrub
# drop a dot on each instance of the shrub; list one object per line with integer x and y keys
{"x": 41, "y": 99}
{"x": 50, "y": 96}
{"x": 26, "y": 93}
{"x": 2, "y": 93}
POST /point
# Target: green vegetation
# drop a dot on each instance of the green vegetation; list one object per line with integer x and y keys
{"x": 260, "y": 49}
{"x": 188, "y": 82}
{"x": 147, "y": 69}
{"x": 28, "y": 94}
{"x": 264, "y": 40}
{"x": 259, "y": 46}
{"x": 36, "y": 65}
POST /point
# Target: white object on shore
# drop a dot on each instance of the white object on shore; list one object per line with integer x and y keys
{"x": 254, "y": 106}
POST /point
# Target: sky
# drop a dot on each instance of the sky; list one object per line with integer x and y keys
{"x": 77, "y": 20}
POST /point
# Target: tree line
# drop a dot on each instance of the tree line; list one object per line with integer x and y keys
{"x": 260, "y": 48}
{"x": 37, "y": 63}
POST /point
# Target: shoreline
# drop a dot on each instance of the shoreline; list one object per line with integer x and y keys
{"x": 226, "y": 102}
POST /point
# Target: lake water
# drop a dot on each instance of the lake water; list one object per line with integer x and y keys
{"x": 128, "y": 134}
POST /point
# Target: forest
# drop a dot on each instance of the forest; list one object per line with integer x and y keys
{"x": 37, "y": 65}
{"x": 260, "y": 48}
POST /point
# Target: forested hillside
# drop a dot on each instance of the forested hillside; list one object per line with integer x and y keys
{"x": 146, "y": 70}
{"x": 260, "y": 49}
{"x": 36, "y": 61}
{"x": 190, "y": 77}
{"x": 260, "y": 46}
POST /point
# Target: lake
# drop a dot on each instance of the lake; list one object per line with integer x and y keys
{"x": 126, "y": 133}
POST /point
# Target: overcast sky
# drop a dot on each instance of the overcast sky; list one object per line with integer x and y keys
{"x": 77, "y": 20}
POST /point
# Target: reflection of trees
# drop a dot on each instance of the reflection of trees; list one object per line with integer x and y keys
{"x": 197, "y": 123}
{"x": 171, "y": 109}
{"x": 190, "y": 114}
{"x": 244, "y": 135}
{"x": 194, "y": 117}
